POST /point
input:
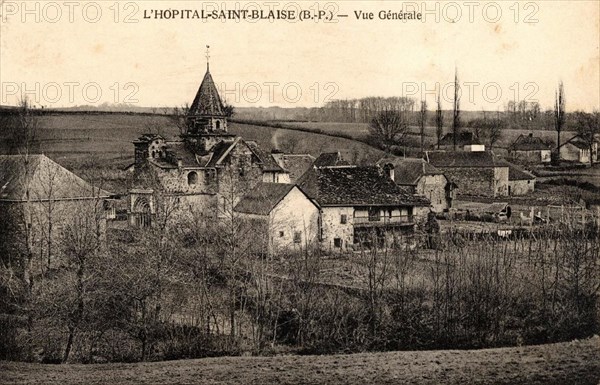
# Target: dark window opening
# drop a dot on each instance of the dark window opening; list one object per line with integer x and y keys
{"x": 281, "y": 234}
{"x": 343, "y": 219}
{"x": 192, "y": 178}
{"x": 297, "y": 237}
{"x": 337, "y": 242}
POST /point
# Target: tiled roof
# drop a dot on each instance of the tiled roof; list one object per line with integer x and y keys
{"x": 408, "y": 171}
{"x": 330, "y": 159}
{"x": 529, "y": 143}
{"x": 207, "y": 101}
{"x": 295, "y": 164}
{"x": 463, "y": 159}
{"x": 517, "y": 173}
{"x": 463, "y": 138}
{"x": 263, "y": 198}
{"x": 356, "y": 186}
{"x": 578, "y": 142}
{"x": 43, "y": 178}
{"x": 269, "y": 163}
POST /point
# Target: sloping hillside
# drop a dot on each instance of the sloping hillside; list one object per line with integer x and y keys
{"x": 556, "y": 364}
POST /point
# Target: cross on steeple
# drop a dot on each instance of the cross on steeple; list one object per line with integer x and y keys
{"x": 207, "y": 56}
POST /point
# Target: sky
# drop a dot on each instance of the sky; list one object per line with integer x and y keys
{"x": 67, "y": 53}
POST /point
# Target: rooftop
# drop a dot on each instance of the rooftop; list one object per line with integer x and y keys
{"x": 463, "y": 159}
{"x": 43, "y": 179}
{"x": 356, "y": 186}
{"x": 408, "y": 171}
{"x": 263, "y": 198}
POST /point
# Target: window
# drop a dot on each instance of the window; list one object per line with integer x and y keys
{"x": 297, "y": 237}
{"x": 281, "y": 234}
{"x": 192, "y": 178}
{"x": 337, "y": 242}
{"x": 343, "y": 219}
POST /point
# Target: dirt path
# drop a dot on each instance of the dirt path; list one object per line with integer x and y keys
{"x": 575, "y": 362}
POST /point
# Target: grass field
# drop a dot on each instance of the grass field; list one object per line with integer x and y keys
{"x": 75, "y": 138}
{"x": 569, "y": 363}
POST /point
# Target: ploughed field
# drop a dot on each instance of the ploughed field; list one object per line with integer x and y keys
{"x": 576, "y": 362}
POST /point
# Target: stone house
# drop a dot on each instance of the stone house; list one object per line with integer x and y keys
{"x": 476, "y": 173}
{"x": 279, "y": 218}
{"x": 463, "y": 139}
{"x": 38, "y": 197}
{"x": 359, "y": 204}
{"x": 206, "y": 169}
{"x": 578, "y": 150}
{"x": 422, "y": 178}
{"x": 530, "y": 149}
{"x": 520, "y": 182}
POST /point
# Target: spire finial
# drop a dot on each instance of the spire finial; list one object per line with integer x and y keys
{"x": 207, "y": 56}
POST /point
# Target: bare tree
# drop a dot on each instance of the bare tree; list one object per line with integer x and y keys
{"x": 388, "y": 127}
{"x": 439, "y": 121}
{"x": 456, "y": 110}
{"x": 422, "y": 122}
{"x": 559, "y": 117}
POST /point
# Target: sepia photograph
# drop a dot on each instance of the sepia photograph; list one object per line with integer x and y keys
{"x": 299, "y": 192}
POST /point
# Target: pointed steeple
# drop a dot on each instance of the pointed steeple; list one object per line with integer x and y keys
{"x": 207, "y": 102}
{"x": 207, "y": 114}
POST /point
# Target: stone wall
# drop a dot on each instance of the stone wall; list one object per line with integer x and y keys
{"x": 479, "y": 181}
{"x": 332, "y": 227}
{"x": 433, "y": 187}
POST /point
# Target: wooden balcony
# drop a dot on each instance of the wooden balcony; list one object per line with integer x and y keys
{"x": 384, "y": 221}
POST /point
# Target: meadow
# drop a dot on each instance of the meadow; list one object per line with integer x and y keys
{"x": 572, "y": 363}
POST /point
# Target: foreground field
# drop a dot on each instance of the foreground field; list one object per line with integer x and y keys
{"x": 575, "y": 362}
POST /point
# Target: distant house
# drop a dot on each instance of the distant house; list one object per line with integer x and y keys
{"x": 279, "y": 217}
{"x": 463, "y": 138}
{"x": 330, "y": 159}
{"x": 478, "y": 173}
{"x": 578, "y": 150}
{"x": 530, "y": 149}
{"x": 423, "y": 178}
{"x": 359, "y": 203}
{"x": 38, "y": 197}
{"x": 295, "y": 164}
{"x": 520, "y": 182}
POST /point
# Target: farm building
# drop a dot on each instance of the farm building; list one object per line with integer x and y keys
{"x": 38, "y": 198}
{"x": 357, "y": 203}
{"x": 520, "y": 182}
{"x": 423, "y": 178}
{"x": 464, "y": 138}
{"x": 577, "y": 149}
{"x": 478, "y": 173}
{"x": 530, "y": 149}
{"x": 280, "y": 217}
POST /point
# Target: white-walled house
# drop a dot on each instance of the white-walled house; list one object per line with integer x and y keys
{"x": 578, "y": 150}
{"x": 279, "y": 218}
{"x": 361, "y": 204}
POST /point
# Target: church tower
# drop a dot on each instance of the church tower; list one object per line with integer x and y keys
{"x": 207, "y": 114}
